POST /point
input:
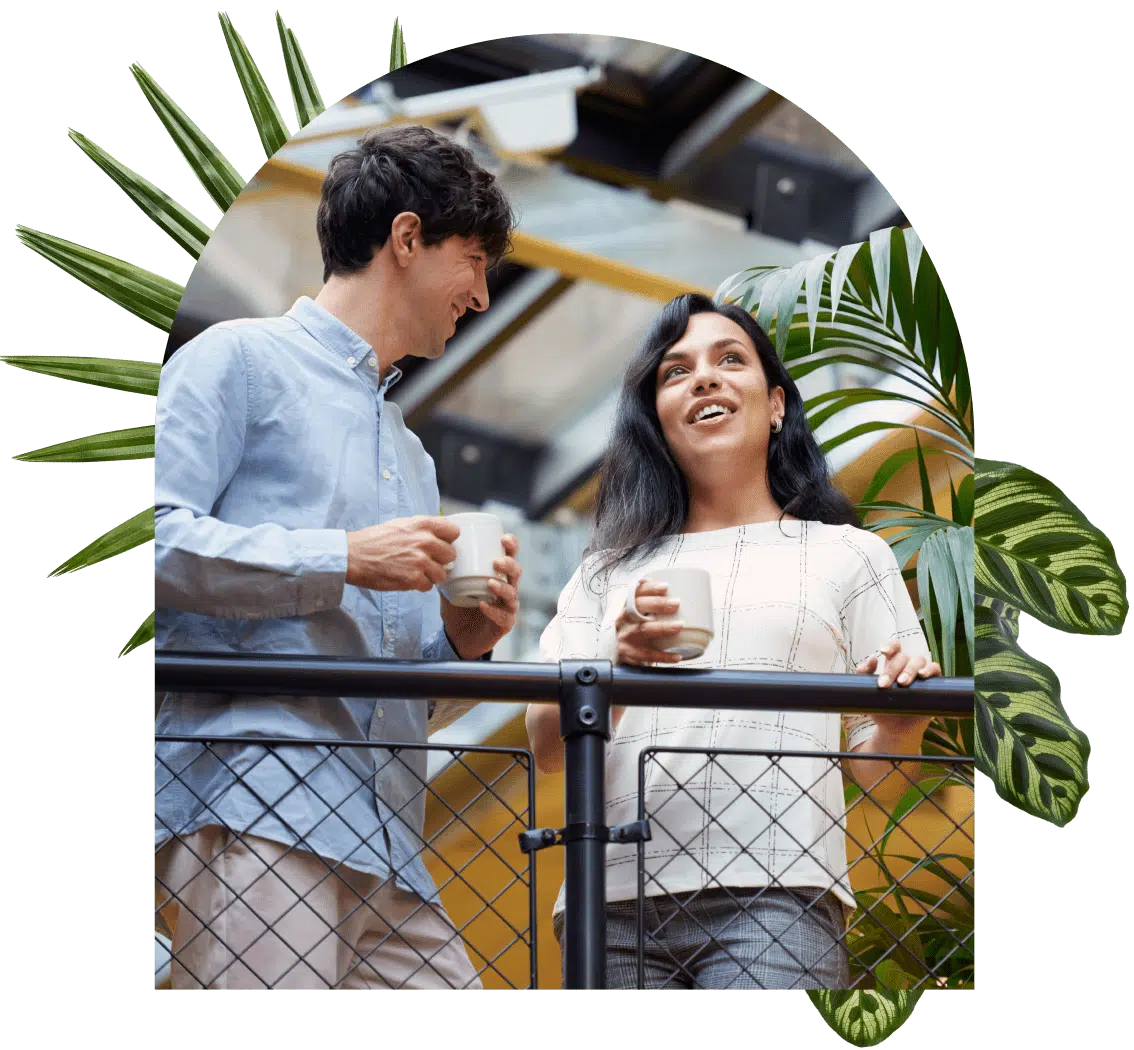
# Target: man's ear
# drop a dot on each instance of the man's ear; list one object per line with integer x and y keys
{"x": 405, "y": 237}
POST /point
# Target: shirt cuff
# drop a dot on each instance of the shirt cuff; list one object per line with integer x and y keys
{"x": 323, "y": 555}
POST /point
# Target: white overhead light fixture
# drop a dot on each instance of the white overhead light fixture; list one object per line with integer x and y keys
{"x": 522, "y": 115}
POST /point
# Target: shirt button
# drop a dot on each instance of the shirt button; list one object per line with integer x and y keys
{"x": 351, "y": 361}
{"x": 386, "y": 474}
{"x": 319, "y": 603}
{"x": 373, "y": 362}
{"x": 379, "y": 712}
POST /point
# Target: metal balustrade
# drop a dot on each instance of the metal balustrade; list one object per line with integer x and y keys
{"x": 910, "y": 925}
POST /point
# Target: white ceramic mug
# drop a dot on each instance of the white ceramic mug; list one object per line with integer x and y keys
{"x": 477, "y": 547}
{"x": 694, "y": 593}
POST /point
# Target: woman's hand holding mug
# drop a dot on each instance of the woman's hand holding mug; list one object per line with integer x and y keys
{"x": 640, "y": 641}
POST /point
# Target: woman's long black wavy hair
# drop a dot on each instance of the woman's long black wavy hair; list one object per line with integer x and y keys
{"x": 643, "y": 496}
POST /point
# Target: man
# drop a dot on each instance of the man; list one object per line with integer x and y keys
{"x": 295, "y": 513}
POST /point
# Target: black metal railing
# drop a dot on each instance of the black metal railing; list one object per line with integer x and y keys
{"x": 238, "y": 910}
{"x": 911, "y": 951}
{"x": 893, "y": 916}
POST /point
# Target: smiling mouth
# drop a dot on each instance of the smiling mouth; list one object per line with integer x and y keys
{"x": 711, "y": 415}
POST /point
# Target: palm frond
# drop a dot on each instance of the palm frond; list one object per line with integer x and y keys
{"x": 216, "y": 174}
{"x": 269, "y": 125}
{"x": 145, "y": 294}
{"x": 304, "y": 92}
{"x": 185, "y": 228}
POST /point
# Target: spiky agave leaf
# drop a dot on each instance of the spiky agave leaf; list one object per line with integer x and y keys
{"x": 144, "y": 294}
{"x": 109, "y": 373}
{"x": 305, "y": 93}
{"x": 269, "y": 125}
{"x": 136, "y": 443}
{"x": 180, "y": 225}
{"x": 216, "y": 174}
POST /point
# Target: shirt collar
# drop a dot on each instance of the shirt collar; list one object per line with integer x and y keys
{"x": 340, "y": 340}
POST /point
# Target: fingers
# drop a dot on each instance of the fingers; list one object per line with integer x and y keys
{"x": 867, "y": 666}
{"x": 442, "y": 528}
{"x": 636, "y": 655}
{"x": 913, "y": 668}
{"x": 504, "y": 618}
{"x": 895, "y": 664}
{"x": 510, "y": 544}
{"x": 930, "y": 670}
{"x": 507, "y": 597}
{"x": 510, "y": 568}
{"x": 437, "y": 549}
{"x": 657, "y": 606}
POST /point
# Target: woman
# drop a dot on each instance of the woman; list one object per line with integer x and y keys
{"x": 712, "y": 464}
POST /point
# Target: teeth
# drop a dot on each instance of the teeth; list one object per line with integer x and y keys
{"x": 709, "y": 410}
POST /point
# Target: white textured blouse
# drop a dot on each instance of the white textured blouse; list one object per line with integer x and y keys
{"x": 787, "y": 596}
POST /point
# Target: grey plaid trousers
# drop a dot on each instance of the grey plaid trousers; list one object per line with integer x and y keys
{"x": 769, "y": 937}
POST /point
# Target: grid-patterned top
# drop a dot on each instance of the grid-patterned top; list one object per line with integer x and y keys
{"x": 790, "y": 596}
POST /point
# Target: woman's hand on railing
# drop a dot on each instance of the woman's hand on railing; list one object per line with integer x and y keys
{"x": 894, "y": 734}
{"x": 898, "y": 733}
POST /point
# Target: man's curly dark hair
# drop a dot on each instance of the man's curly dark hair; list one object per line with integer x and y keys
{"x": 407, "y": 168}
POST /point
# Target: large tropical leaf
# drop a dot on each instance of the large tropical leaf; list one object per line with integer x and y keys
{"x": 1038, "y": 552}
{"x": 865, "y": 1018}
{"x": 145, "y": 294}
{"x": 1024, "y": 742}
{"x": 185, "y": 228}
{"x": 137, "y": 377}
{"x": 304, "y": 92}
{"x": 269, "y": 125}
{"x": 219, "y": 178}
{"x": 136, "y": 443}
{"x": 121, "y": 538}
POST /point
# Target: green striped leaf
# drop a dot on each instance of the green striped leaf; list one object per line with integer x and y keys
{"x": 397, "y": 47}
{"x": 865, "y": 1018}
{"x": 269, "y": 125}
{"x": 1038, "y": 552}
{"x": 121, "y": 538}
{"x": 186, "y": 229}
{"x": 143, "y": 634}
{"x": 1025, "y": 742}
{"x": 220, "y": 179}
{"x": 145, "y": 294}
{"x": 137, "y": 443}
{"x": 136, "y": 377}
{"x": 304, "y": 93}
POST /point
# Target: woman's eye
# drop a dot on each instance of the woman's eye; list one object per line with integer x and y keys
{"x": 733, "y": 356}
{"x": 672, "y": 372}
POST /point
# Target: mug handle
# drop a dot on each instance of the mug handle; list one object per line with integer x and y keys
{"x": 633, "y": 613}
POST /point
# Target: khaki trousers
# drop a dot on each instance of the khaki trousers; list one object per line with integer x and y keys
{"x": 247, "y": 912}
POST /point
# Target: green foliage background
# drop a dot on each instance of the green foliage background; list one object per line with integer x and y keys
{"x": 1005, "y": 152}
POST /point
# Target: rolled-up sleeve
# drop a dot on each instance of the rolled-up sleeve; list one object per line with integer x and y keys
{"x": 212, "y": 567}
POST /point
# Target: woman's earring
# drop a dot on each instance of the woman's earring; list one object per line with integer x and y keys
{"x": 777, "y": 425}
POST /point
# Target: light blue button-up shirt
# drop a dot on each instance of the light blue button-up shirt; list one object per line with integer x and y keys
{"x": 274, "y": 439}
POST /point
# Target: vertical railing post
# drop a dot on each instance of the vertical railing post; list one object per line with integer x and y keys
{"x": 584, "y": 724}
